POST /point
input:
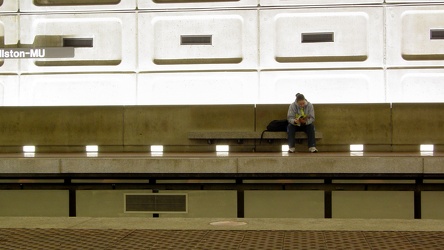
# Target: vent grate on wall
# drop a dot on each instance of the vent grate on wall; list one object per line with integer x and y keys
{"x": 78, "y": 42}
{"x": 436, "y": 34}
{"x": 196, "y": 40}
{"x": 324, "y": 37}
{"x": 156, "y": 203}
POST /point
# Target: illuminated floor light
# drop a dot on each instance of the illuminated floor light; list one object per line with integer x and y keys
{"x": 356, "y": 153}
{"x": 356, "y": 150}
{"x": 92, "y": 151}
{"x": 28, "y": 149}
{"x": 426, "y": 149}
{"x": 156, "y": 150}
{"x": 92, "y": 148}
{"x": 92, "y": 154}
{"x": 356, "y": 147}
{"x": 285, "y": 149}
{"x": 222, "y": 150}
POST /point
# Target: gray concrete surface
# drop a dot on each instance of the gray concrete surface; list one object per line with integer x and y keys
{"x": 30, "y": 165}
{"x": 205, "y": 224}
{"x": 433, "y": 165}
{"x": 229, "y": 163}
{"x": 149, "y": 165}
{"x": 330, "y": 165}
{"x": 61, "y": 126}
{"x": 428, "y": 129}
{"x": 169, "y": 125}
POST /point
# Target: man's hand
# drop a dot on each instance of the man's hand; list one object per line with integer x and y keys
{"x": 303, "y": 120}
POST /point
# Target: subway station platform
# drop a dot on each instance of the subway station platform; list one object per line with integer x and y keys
{"x": 169, "y": 233}
{"x": 222, "y": 163}
{"x": 334, "y": 185}
{"x": 321, "y": 185}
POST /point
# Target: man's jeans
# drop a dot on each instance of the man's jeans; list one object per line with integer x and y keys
{"x": 308, "y": 129}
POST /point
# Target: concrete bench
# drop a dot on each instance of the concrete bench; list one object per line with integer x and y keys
{"x": 210, "y": 136}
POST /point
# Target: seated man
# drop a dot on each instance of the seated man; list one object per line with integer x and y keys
{"x": 300, "y": 117}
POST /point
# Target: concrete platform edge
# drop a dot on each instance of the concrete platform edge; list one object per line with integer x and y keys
{"x": 204, "y": 224}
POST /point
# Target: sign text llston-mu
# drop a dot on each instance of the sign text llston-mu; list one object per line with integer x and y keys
{"x": 22, "y": 53}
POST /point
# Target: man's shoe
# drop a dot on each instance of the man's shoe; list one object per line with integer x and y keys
{"x": 291, "y": 150}
{"x": 313, "y": 150}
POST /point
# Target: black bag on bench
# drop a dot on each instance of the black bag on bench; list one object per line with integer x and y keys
{"x": 275, "y": 126}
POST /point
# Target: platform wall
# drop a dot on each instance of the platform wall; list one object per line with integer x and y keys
{"x": 223, "y": 204}
{"x": 380, "y": 127}
{"x": 171, "y": 52}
